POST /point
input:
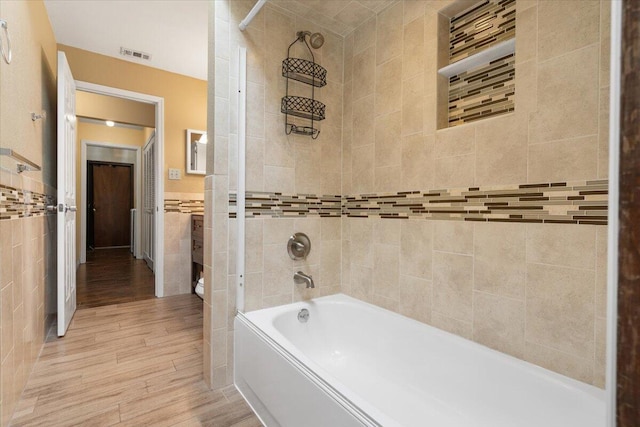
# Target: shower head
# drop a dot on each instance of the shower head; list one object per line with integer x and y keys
{"x": 316, "y": 39}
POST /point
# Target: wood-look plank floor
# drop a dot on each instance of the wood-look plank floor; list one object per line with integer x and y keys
{"x": 113, "y": 276}
{"x": 134, "y": 364}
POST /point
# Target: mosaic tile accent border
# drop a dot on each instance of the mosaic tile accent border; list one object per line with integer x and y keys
{"x": 483, "y": 92}
{"x": 486, "y": 24}
{"x": 581, "y": 202}
{"x": 278, "y": 205}
{"x": 15, "y": 203}
{"x": 184, "y": 206}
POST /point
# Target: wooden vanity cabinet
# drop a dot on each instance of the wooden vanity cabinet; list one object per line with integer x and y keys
{"x": 197, "y": 248}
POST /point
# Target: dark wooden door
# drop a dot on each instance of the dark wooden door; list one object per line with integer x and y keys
{"x": 110, "y": 201}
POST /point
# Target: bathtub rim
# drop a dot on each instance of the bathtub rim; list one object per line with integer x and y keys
{"x": 306, "y": 365}
{"x": 564, "y": 380}
{"x": 312, "y": 376}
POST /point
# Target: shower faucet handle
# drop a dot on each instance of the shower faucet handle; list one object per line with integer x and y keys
{"x": 298, "y": 246}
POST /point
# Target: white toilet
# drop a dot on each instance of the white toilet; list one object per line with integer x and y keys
{"x": 200, "y": 288}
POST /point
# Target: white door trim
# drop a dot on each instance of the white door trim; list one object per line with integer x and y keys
{"x": 83, "y": 192}
{"x": 159, "y": 190}
{"x": 147, "y": 235}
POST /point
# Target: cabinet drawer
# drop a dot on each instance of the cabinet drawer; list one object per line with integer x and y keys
{"x": 197, "y": 227}
{"x": 196, "y": 251}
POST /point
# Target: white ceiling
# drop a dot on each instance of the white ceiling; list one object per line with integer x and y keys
{"x": 173, "y": 32}
{"x": 338, "y": 16}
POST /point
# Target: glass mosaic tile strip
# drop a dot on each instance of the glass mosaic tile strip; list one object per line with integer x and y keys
{"x": 486, "y": 24}
{"x": 483, "y": 92}
{"x": 523, "y": 203}
{"x": 15, "y": 203}
{"x": 184, "y": 206}
{"x": 261, "y": 204}
{"x": 580, "y": 202}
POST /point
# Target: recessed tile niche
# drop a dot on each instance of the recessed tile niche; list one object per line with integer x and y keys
{"x": 476, "y": 61}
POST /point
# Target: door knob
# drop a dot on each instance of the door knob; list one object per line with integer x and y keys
{"x": 61, "y": 208}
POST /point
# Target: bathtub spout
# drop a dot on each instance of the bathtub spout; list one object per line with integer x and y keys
{"x": 300, "y": 277}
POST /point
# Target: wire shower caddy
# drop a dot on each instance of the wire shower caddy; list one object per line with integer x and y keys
{"x": 312, "y": 74}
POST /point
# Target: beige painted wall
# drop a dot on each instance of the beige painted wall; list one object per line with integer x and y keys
{"x": 117, "y": 135}
{"x": 185, "y": 103}
{"x": 119, "y": 110}
{"x": 27, "y": 245}
{"x": 147, "y": 133}
{"x": 535, "y": 291}
{"x": 101, "y": 133}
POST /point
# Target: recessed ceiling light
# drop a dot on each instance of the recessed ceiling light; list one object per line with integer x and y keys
{"x": 109, "y": 123}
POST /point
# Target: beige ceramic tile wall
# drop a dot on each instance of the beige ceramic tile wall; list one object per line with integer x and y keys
{"x": 269, "y": 272}
{"x": 534, "y": 291}
{"x": 276, "y": 163}
{"x": 486, "y": 281}
{"x": 28, "y": 277}
{"x": 177, "y": 247}
{"x": 27, "y": 245}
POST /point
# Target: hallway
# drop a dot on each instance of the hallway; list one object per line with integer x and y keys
{"x": 113, "y": 276}
{"x": 133, "y": 364}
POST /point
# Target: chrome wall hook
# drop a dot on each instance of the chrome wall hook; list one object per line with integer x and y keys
{"x": 35, "y": 116}
{"x": 6, "y": 53}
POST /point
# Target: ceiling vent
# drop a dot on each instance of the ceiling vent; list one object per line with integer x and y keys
{"x": 125, "y": 51}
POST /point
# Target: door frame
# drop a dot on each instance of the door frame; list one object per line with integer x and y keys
{"x": 159, "y": 187}
{"x": 137, "y": 188}
{"x": 147, "y": 253}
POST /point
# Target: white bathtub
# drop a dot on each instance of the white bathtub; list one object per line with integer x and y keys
{"x": 354, "y": 364}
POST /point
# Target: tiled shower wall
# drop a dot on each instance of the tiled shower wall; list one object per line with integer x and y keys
{"x": 275, "y": 163}
{"x": 533, "y": 290}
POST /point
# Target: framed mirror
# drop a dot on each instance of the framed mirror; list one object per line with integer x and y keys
{"x": 196, "y": 152}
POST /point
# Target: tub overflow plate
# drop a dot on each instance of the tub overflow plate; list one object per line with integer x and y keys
{"x": 303, "y": 315}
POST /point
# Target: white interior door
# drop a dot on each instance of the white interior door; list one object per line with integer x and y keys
{"x": 148, "y": 214}
{"x": 66, "y": 212}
